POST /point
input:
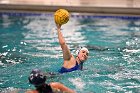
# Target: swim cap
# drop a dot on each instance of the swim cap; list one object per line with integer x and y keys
{"x": 37, "y": 77}
{"x": 81, "y": 48}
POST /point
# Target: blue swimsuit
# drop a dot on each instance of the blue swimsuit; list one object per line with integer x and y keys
{"x": 76, "y": 67}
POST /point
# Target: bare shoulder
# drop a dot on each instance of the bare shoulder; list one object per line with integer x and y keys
{"x": 55, "y": 84}
{"x": 56, "y": 87}
{"x": 60, "y": 87}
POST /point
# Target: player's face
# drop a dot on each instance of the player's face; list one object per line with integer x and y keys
{"x": 83, "y": 55}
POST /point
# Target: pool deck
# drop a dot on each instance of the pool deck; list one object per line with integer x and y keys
{"x": 126, "y": 7}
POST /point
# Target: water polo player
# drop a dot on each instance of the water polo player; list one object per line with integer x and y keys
{"x": 70, "y": 62}
{"x": 38, "y": 78}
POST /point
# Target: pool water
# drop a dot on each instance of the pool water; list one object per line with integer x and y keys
{"x": 29, "y": 40}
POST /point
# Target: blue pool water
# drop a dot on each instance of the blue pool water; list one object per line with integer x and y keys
{"x": 29, "y": 40}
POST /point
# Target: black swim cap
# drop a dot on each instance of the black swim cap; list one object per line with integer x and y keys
{"x": 37, "y": 77}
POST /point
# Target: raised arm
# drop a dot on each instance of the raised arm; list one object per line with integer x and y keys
{"x": 66, "y": 52}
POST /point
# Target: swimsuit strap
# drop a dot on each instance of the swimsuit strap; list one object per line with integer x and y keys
{"x": 64, "y": 70}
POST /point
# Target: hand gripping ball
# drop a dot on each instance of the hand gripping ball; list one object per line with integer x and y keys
{"x": 61, "y": 16}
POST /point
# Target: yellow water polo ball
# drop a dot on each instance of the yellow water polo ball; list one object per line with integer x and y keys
{"x": 61, "y": 16}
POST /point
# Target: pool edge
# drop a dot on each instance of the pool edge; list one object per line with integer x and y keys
{"x": 77, "y": 9}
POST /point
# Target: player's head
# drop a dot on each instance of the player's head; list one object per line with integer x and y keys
{"x": 82, "y": 53}
{"x": 37, "y": 77}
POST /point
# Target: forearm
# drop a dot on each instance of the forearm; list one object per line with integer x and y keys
{"x": 60, "y": 37}
{"x": 65, "y": 49}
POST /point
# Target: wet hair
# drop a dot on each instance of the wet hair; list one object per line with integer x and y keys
{"x": 37, "y": 77}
